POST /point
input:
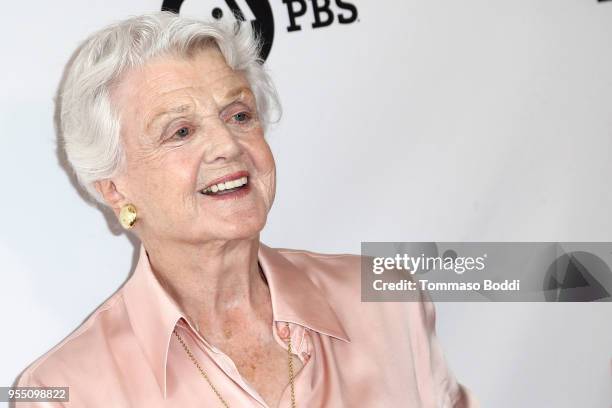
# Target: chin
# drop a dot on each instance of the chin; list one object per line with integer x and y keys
{"x": 244, "y": 229}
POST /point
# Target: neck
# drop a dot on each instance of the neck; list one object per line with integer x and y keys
{"x": 217, "y": 284}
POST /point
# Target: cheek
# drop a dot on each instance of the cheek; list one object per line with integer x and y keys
{"x": 265, "y": 168}
{"x": 163, "y": 179}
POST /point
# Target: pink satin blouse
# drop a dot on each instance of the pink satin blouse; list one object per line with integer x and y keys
{"x": 355, "y": 354}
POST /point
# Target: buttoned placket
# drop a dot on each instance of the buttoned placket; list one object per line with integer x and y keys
{"x": 300, "y": 339}
{"x": 301, "y": 347}
{"x": 222, "y": 360}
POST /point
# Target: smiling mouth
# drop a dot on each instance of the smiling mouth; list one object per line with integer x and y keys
{"x": 226, "y": 187}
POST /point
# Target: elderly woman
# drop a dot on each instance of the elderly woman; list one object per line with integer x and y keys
{"x": 163, "y": 121}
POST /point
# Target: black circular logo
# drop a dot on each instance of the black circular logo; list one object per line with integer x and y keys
{"x": 263, "y": 24}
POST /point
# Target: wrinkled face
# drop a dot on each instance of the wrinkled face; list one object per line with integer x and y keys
{"x": 193, "y": 138}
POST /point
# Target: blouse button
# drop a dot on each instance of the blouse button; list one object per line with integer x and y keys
{"x": 283, "y": 333}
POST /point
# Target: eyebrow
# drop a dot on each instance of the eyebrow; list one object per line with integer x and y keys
{"x": 176, "y": 109}
{"x": 233, "y": 93}
{"x": 236, "y": 92}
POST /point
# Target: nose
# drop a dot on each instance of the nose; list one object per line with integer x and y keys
{"x": 222, "y": 143}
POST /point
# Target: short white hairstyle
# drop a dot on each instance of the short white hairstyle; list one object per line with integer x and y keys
{"x": 88, "y": 123}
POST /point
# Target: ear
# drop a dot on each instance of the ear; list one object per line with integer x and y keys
{"x": 109, "y": 192}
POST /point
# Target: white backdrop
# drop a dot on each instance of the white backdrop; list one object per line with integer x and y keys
{"x": 422, "y": 121}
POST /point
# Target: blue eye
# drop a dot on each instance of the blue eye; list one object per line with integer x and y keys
{"x": 242, "y": 117}
{"x": 183, "y": 132}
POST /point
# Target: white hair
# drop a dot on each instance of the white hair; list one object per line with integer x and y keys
{"x": 88, "y": 124}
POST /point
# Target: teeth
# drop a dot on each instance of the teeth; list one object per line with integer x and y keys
{"x": 226, "y": 186}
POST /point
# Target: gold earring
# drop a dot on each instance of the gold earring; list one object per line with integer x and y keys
{"x": 127, "y": 216}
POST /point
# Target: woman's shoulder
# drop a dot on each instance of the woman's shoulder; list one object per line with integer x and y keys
{"x": 291, "y": 252}
{"x": 339, "y": 278}
{"x": 330, "y": 262}
{"x": 336, "y": 269}
{"x": 79, "y": 352}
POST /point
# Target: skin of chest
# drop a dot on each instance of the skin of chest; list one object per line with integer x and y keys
{"x": 264, "y": 364}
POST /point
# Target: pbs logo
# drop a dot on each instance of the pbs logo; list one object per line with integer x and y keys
{"x": 301, "y": 14}
{"x": 322, "y": 13}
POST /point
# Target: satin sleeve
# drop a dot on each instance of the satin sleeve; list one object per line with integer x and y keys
{"x": 450, "y": 393}
{"x": 27, "y": 379}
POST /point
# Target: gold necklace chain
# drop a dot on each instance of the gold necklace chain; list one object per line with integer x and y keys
{"x": 225, "y": 404}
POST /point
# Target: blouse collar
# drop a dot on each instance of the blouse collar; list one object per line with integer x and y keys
{"x": 153, "y": 313}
